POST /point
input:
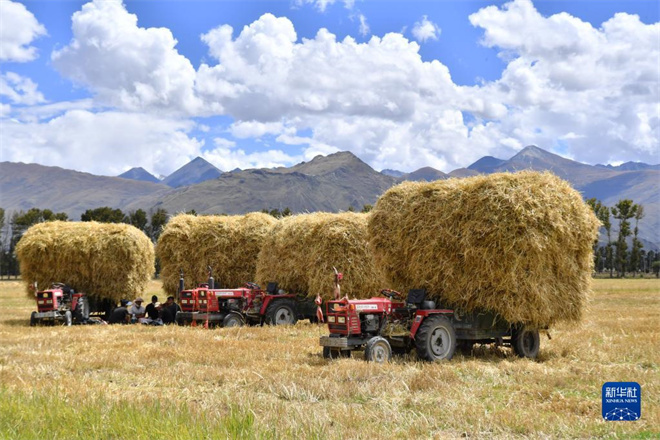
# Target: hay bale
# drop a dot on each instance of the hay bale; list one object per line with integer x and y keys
{"x": 229, "y": 244}
{"x": 517, "y": 244}
{"x": 104, "y": 260}
{"x": 302, "y": 250}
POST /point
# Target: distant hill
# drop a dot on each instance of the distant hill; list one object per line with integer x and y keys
{"x": 139, "y": 174}
{"x": 393, "y": 173}
{"x": 196, "y": 171}
{"x": 331, "y": 183}
{"x": 631, "y": 166}
{"x": 427, "y": 174}
{"x": 463, "y": 172}
{"x": 486, "y": 164}
{"x": 25, "y": 186}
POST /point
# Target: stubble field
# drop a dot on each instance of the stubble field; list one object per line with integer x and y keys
{"x": 139, "y": 382}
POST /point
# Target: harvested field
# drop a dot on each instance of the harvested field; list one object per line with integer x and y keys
{"x": 229, "y": 244}
{"x": 104, "y": 260}
{"x": 268, "y": 382}
{"x": 518, "y": 244}
{"x": 303, "y": 249}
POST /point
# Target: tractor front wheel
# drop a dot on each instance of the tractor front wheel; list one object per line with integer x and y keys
{"x": 378, "y": 350}
{"x": 526, "y": 342}
{"x": 33, "y": 319}
{"x": 233, "y": 320}
{"x": 436, "y": 339}
{"x": 335, "y": 353}
{"x": 281, "y": 312}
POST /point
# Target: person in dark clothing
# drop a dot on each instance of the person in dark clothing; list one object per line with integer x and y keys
{"x": 168, "y": 311}
{"x": 120, "y": 314}
{"x": 152, "y": 317}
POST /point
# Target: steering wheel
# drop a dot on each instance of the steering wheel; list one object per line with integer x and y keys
{"x": 253, "y": 286}
{"x": 391, "y": 294}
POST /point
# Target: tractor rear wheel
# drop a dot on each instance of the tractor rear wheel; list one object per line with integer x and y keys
{"x": 68, "y": 318}
{"x": 33, "y": 319}
{"x": 281, "y": 312}
{"x": 378, "y": 350}
{"x": 436, "y": 339}
{"x": 335, "y": 353}
{"x": 526, "y": 342}
{"x": 81, "y": 314}
{"x": 233, "y": 320}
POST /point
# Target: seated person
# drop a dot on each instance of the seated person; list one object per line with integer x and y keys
{"x": 137, "y": 311}
{"x": 168, "y": 311}
{"x": 151, "y": 311}
{"x": 120, "y": 314}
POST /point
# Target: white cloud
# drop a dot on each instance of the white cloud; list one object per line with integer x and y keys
{"x": 595, "y": 89}
{"x": 425, "y": 29}
{"x": 127, "y": 66}
{"x": 101, "y": 143}
{"x": 227, "y": 157}
{"x": 19, "y": 28}
{"x": 321, "y": 5}
{"x": 19, "y": 89}
{"x": 364, "y": 26}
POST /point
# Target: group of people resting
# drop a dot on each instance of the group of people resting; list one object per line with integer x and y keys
{"x": 153, "y": 314}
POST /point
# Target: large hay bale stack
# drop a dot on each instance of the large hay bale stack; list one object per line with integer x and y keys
{"x": 302, "y": 250}
{"x": 516, "y": 244}
{"x": 104, "y": 260}
{"x": 229, "y": 244}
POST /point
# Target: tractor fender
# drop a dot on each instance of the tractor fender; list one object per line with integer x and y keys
{"x": 421, "y": 315}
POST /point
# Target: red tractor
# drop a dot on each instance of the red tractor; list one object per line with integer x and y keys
{"x": 383, "y": 325}
{"x": 249, "y": 304}
{"x": 60, "y": 304}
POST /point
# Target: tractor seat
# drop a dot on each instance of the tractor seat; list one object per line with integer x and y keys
{"x": 271, "y": 288}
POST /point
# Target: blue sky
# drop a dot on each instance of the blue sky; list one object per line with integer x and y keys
{"x": 401, "y": 84}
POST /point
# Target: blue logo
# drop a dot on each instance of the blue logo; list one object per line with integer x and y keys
{"x": 622, "y": 401}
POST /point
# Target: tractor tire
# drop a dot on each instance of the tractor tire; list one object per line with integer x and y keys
{"x": 378, "y": 350}
{"x": 33, "y": 319}
{"x": 334, "y": 353}
{"x": 526, "y": 342}
{"x": 68, "y": 318}
{"x": 233, "y": 320}
{"x": 436, "y": 339}
{"x": 281, "y": 312}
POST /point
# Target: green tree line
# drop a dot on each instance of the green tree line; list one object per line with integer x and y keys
{"x": 616, "y": 256}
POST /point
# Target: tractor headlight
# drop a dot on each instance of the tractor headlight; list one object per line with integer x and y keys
{"x": 331, "y": 319}
{"x": 41, "y": 301}
{"x": 341, "y": 319}
{"x": 49, "y": 301}
{"x": 184, "y": 301}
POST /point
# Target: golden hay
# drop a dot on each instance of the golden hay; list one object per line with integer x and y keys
{"x": 517, "y": 244}
{"x": 302, "y": 250}
{"x": 229, "y": 244}
{"x": 104, "y": 260}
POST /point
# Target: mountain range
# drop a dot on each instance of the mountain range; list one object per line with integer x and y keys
{"x": 328, "y": 183}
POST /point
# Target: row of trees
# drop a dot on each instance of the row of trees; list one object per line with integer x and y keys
{"x": 616, "y": 255}
{"x": 12, "y": 227}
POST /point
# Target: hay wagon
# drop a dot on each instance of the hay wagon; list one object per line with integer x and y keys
{"x": 385, "y": 325}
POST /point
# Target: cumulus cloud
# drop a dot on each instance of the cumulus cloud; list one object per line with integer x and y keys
{"x": 226, "y": 156}
{"x": 127, "y": 66}
{"x": 19, "y": 28}
{"x": 101, "y": 143}
{"x": 594, "y": 88}
{"x": 425, "y": 29}
{"x": 19, "y": 89}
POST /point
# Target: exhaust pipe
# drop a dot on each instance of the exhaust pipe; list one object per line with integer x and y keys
{"x": 181, "y": 285}
{"x": 211, "y": 281}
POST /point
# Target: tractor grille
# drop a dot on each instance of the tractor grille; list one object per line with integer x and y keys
{"x": 45, "y": 301}
{"x": 338, "y": 328}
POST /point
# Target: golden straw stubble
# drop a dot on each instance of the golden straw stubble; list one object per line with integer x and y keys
{"x": 112, "y": 261}
{"x": 229, "y": 244}
{"x": 518, "y": 244}
{"x": 302, "y": 250}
